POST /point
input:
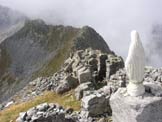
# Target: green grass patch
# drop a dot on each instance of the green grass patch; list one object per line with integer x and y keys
{"x": 66, "y": 100}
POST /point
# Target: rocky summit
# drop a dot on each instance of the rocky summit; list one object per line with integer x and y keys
{"x": 39, "y": 57}
{"x": 57, "y": 73}
{"x": 38, "y": 49}
{"x": 82, "y": 70}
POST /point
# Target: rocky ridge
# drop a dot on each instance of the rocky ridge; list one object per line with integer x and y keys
{"x": 38, "y": 49}
{"x": 95, "y": 73}
{"x": 84, "y": 70}
{"x": 95, "y": 101}
{"x": 79, "y": 71}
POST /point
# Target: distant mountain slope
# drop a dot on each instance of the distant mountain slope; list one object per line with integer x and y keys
{"x": 38, "y": 49}
{"x": 10, "y": 21}
{"x": 9, "y": 17}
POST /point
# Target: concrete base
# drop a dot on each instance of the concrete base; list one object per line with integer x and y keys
{"x": 135, "y": 89}
{"x": 125, "y": 108}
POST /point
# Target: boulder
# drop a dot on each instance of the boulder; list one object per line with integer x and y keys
{"x": 19, "y": 120}
{"x": 52, "y": 118}
{"x": 72, "y": 81}
{"x": 32, "y": 111}
{"x": 9, "y": 103}
{"x": 42, "y": 107}
{"x": 126, "y": 108}
{"x": 68, "y": 65}
{"x": 95, "y": 105}
{"x": 23, "y": 115}
{"x": 153, "y": 88}
{"x": 84, "y": 75}
{"x": 81, "y": 88}
{"x": 67, "y": 84}
{"x": 62, "y": 88}
{"x": 113, "y": 64}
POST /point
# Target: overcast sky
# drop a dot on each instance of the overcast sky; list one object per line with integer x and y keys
{"x": 113, "y": 19}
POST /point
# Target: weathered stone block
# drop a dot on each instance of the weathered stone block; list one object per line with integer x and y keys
{"x": 68, "y": 65}
{"x": 94, "y": 105}
{"x": 113, "y": 64}
{"x": 84, "y": 75}
{"x": 81, "y": 88}
{"x": 125, "y": 108}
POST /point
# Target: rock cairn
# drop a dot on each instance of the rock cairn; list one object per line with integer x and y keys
{"x": 46, "y": 113}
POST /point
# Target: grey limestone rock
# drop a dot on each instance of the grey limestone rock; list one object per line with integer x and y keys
{"x": 81, "y": 88}
{"x": 63, "y": 87}
{"x": 125, "y": 108}
{"x": 42, "y": 107}
{"x": 67, "y": 84}
{"x": 46, "y": 113}
{"x": 94, "y": 105}
{"x": 154, "y": 89}
{"x": 113, "y": 64}
{"x": 84, "y": 75}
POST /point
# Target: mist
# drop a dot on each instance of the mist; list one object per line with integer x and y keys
{"x": 113, "y": 19}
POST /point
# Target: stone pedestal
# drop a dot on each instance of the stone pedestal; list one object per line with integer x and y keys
{"x": 125, "y": 108}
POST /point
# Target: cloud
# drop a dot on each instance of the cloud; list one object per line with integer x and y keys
{"x": 113, "y": 19}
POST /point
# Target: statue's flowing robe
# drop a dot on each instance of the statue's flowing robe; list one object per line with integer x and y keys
{"x": 135, "y": 61}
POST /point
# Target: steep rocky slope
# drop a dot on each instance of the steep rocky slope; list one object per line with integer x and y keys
{"x": 84, "y": 70}
{"x": 38, "y": 49}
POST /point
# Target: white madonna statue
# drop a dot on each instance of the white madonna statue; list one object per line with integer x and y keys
{"x": 134, "y": 66}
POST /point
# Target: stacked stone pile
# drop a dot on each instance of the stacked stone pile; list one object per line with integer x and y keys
{"x": 81, "y": 67}
{"x": 38, "y": 86}
{"x": 46, "y": 113}
{"x": 151, "y": 75}
{"x": 96, "y": 103}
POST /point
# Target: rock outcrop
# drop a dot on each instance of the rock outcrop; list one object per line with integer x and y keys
{"x": 63, "y": 58}
{"x": 70, "y": 76}
{"x": 38, "y": 49}
{"x": 96, "y": 103}
{"x": 152, "y": 81}
{"x": 145, "y": 109}
{"x": 46, "y": 113}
